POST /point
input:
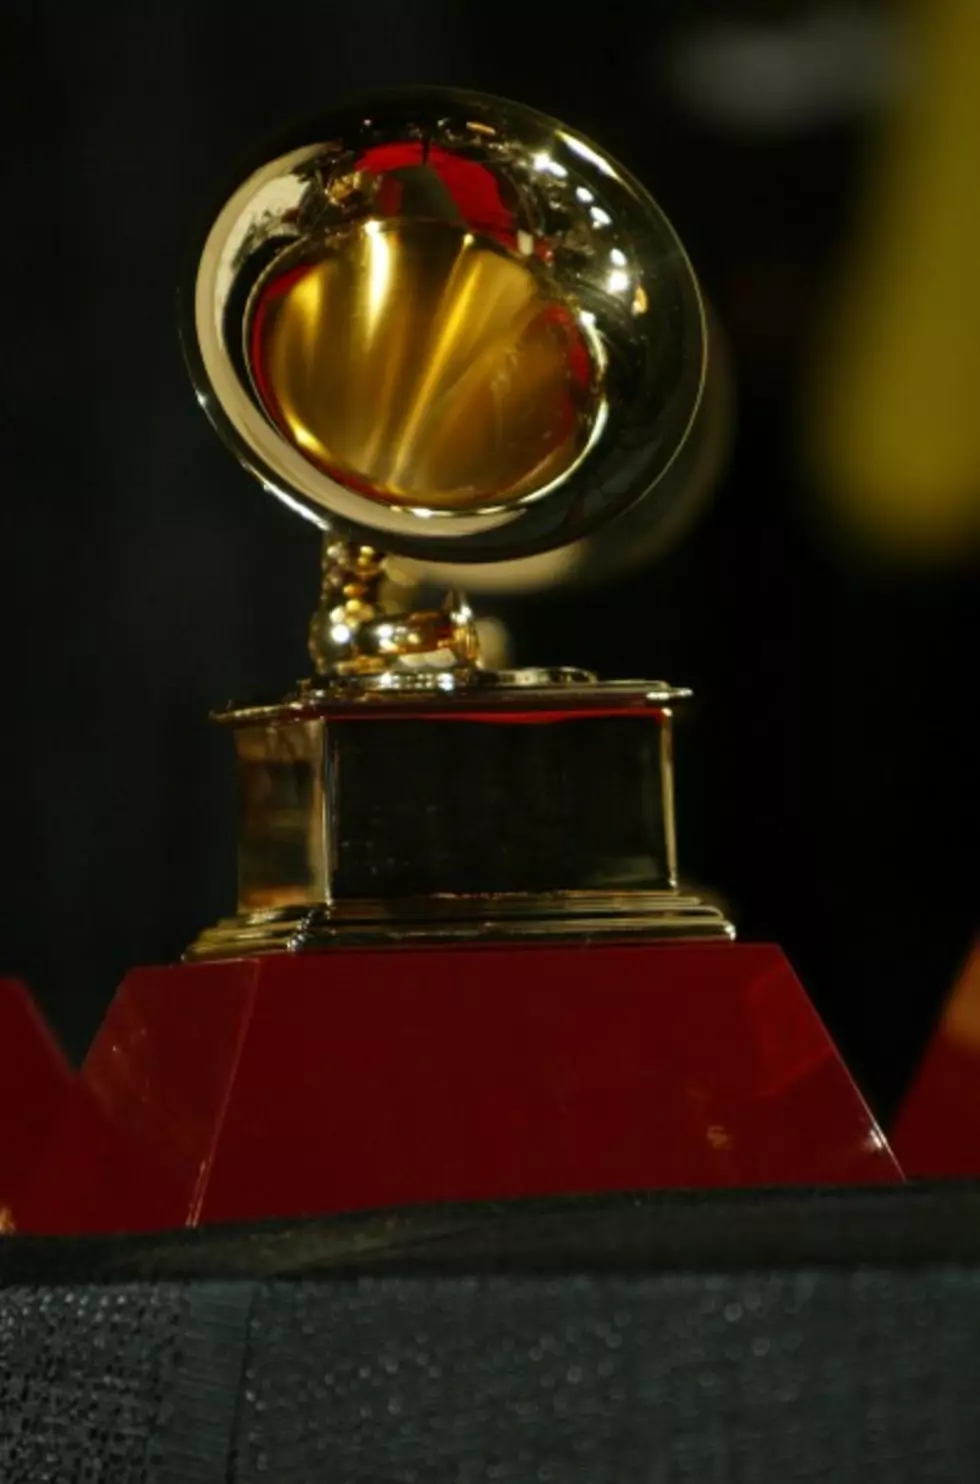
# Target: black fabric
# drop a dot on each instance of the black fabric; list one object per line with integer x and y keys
{"x": 195, "y": 1430}
{"x": 602, "y": 1378}
{"x": 85, "y": 1376}
{"x": 737, "y": 1339}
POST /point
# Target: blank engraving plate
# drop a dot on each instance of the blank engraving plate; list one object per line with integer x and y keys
{"x": 504, "y": 805}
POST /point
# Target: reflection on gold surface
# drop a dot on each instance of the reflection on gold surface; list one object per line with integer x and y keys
{"x": 423, "y": 366}
{"x": 281, "y": 812}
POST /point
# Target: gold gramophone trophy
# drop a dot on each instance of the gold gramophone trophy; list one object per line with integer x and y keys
{"x": 451, "y": 333}
{"x": 452, "y": 330}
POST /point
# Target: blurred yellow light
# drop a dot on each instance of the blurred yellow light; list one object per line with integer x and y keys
{"x": 896, "y": 416}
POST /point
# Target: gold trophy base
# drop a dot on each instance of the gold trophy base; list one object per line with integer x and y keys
{"x": 672, "y": 915}
{"x": 516, "y": 806}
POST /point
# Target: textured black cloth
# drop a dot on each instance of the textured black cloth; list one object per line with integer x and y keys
{"x": 737, "y": 1339}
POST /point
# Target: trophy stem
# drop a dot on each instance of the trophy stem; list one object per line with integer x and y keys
{"x": 353, "y": 633}
{"x": 439, "y": 807}
{"x": 350, "y": 579}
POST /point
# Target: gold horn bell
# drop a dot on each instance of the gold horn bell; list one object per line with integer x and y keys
{"x": 443, "y": 325}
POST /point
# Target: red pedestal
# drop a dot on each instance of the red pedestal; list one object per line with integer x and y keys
{"x": 937, "y": 1132}
{"x": 285, "y": 1085}
{"x": 34, "y": 1083}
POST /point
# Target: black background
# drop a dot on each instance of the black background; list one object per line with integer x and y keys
{"x": 826, "y": 771}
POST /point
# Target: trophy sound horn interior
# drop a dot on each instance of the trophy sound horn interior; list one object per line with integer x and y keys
{"x": 445, "y": 326}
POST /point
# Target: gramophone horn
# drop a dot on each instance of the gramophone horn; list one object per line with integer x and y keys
{"x": 443, "y": 325}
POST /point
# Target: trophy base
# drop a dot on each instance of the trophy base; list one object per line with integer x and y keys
{"x": 673, "y": 915}
{"x": 288, "y": 1084}
{"x": 517, "y": 806}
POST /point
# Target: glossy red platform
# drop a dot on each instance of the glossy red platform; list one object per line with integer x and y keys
{"x": 34, "y": 1082}
{"x": 937, "y": 1132}
{"x": 349, "y": 1079}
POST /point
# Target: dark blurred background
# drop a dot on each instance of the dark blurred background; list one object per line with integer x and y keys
{"x": 821, "y": 162}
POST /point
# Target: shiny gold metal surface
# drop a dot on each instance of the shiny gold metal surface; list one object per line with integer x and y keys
{"x": 308, "y": 813}
{"x": 673, "y": 915}
{"x": 423, "y": 365}
{"x": 282, "y": 809}
{"x": 354, "y": 632}
{"x": 531, "y": 691}
{"x": 444, "y": 325}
